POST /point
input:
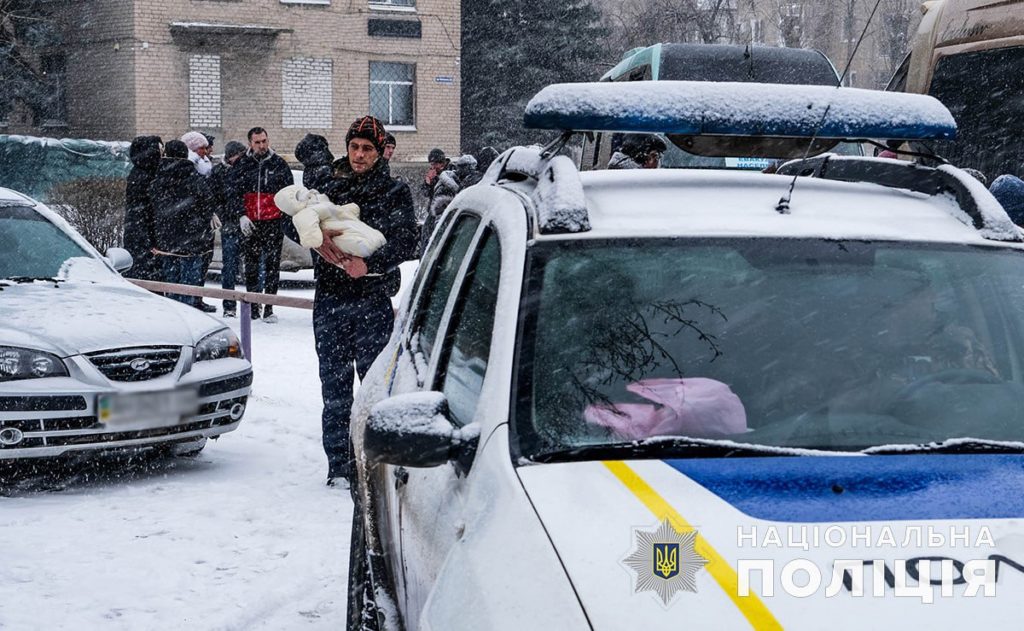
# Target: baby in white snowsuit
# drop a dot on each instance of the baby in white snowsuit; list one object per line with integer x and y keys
{"x": 312, "y": 213}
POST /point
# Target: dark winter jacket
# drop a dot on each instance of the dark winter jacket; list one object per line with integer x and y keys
{"x": 1009, "y": 191}
{"x": 316, "y": 158}
{"x": 384, "y": 204}
{"x": 183, "y": 207}
{"x": 138, "y": 211}
{"x": 220, "y": 189}
{"x": 484, "y": 158}
{"x": 256, "y": 182}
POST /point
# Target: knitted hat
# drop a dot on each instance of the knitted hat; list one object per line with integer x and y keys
{"x": 389, "y": 139}
{"x": 194, "y": 140}
{"x": 435, "y": 155}
{"x": 367, "y": 128}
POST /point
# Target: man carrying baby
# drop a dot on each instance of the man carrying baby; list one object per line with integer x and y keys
{"x": 352, "y": 312}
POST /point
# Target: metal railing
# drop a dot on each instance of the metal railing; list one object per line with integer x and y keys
{"x": 245, "y": 300}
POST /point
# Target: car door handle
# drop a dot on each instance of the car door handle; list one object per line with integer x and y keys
{"x": 401, "y": 477}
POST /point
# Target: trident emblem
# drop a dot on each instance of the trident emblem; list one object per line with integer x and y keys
{"x": 666, "y": 560}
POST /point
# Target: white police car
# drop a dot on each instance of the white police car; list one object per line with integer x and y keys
{"x": 658, "y": 399}
{"x": 89, "y": 362}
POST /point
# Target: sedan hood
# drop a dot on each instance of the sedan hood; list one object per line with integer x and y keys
{"x": 605, "y": 520}
{"x": 71, "y": 317}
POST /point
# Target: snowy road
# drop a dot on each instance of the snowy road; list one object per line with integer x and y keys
{"x": 245, "y": 536}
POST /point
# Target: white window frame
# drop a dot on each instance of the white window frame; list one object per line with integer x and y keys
{"x": 412, "y": 94}
{"x": 389, "y": 5}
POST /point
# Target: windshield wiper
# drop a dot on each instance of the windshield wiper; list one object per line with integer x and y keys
{"x": 671, "y": 447}
{"x": 950, "y": 446}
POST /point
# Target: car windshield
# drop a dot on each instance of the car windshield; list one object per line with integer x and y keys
{"x": 32, "y": 247}
{"x": 821, "y": 344}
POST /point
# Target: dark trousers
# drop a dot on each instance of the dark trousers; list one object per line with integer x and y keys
{"x": 262, "y": 250}
{"x": 183, "y": 270}
{"x": 230, "y": 246}
{"x": 350, "y": 332}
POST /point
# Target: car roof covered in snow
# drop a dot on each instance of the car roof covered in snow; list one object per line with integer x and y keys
{"x": 681, "y": 203}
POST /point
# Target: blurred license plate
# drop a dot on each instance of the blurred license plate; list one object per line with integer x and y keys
{"x": 146, "y": 409}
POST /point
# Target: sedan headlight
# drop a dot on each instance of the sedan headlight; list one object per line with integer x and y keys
{"x": 217, "y": 345}
{"x": 25, "y": 363}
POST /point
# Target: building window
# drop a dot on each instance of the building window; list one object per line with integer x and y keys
{"x": 392, "y": 92}
{"x": 307, "y": 93}
{"x": 53, "y": 108}
{"x": 392, "y": 4}
{"x": 204, "y": 91}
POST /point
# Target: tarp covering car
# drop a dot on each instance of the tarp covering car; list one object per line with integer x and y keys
{"x": 35, "y": 165}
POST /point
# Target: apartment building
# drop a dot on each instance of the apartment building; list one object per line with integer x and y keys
{"x": 131, "y": 67}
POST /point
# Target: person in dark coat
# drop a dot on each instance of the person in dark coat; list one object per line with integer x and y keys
{"x": 261, "y": 174}
{"x": 484, "y": 158}
{"x": 638, "y": 151}
{"x": 466, "y": 171}
{"x": 316, "y": 158}
{"x": 352, "y": 312}
{"x": 230, "y": 231}
{"x": 1009, "y": 191}
{"x": 138, "y": 211}
{"x": 182, "y": 211}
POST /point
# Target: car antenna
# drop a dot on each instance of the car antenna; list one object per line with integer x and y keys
{"x": 783, "y": 206}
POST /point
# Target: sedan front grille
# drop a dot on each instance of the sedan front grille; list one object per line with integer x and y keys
{"x": 136, "y": 364}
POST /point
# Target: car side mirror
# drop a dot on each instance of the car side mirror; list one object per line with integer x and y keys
{"x": 120, "y": 259}
{"x": 416, "y": 430}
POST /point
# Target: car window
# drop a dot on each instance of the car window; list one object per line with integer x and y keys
{"x": 468, "y": 342}
{"x": 423, "y": 272}
{"x": 445, "y": 269}
{"x": 794, "y": 343}
{"x": 31, "y": 246}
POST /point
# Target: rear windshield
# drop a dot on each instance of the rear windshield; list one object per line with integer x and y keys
{"x": 759, "y": 64}
{"x": 32, "y": 247}
{"x": 835, "y": 345}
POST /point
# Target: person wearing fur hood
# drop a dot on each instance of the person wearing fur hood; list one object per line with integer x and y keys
{"x": 145, "y": 153}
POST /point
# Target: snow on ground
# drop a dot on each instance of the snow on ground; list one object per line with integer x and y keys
{"x": 244, "y": 536}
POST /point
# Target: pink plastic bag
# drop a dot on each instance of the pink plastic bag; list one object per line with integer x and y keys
{"x": 697, "y": 407}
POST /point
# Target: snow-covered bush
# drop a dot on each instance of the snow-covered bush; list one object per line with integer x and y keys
{"x": 94, "y": 206}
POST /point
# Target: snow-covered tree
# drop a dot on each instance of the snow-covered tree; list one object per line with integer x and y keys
{"x": 28, "y": 31}
{"x": 510, "y": 50}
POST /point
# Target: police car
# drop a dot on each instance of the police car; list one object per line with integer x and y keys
{"x": 652, "y": 399}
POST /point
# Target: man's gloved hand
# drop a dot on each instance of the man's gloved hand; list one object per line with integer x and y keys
{"x": 246, "y": 225}
{"x": 215, "y": 222}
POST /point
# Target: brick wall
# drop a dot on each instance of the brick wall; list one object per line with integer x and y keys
{"x": 307, "y": 94}
{"x": 204, "y": 101}
{"x": 261, "y": 75}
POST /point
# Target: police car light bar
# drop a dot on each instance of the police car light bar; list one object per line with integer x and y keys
{"x": 696, "y": 108}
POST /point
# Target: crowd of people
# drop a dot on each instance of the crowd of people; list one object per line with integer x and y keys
{"x": 176, "y": 199}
